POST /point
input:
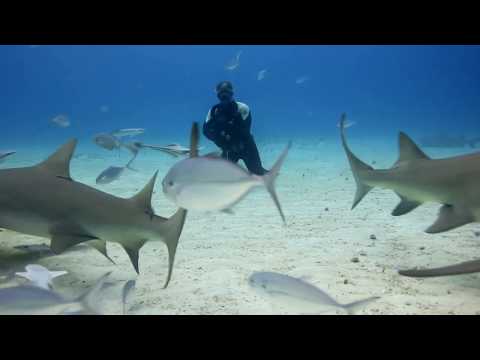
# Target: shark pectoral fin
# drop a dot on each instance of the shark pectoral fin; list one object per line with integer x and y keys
{"x": 456, "y": 269}
{"x": 61, "y": 241}
{"x": 59, "y": 162}
{"x": 408, "y": 149}
{"x": 101, "y": 246}
{"x": 450, "y": 217}
{"x": 228, "y": 211}
{"x": 133, "y": 250}
{"x": 405, "y": 206}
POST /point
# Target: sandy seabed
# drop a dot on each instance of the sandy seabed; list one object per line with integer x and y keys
{"x": 217, "y": 252}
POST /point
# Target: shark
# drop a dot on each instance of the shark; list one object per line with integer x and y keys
{"x": 43, "y": 200}
{"x": 467, "y": 267}
{"x": 417, "y": 179}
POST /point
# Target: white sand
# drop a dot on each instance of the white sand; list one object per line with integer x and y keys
{"x": 217, "y": 252}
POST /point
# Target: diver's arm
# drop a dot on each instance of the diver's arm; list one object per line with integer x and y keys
{"x": 245, "y": 124}
{"x": 211, "y": 131}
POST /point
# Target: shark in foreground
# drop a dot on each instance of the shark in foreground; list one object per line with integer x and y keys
{"x": 416, "y": 178}
{"x": 44, "y": 201}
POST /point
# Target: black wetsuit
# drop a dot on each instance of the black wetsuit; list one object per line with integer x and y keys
{"x": 228, "y": 120}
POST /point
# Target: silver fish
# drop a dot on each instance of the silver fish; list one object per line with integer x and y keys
{"x": 298, "y": 290}
{"x": 261, "y": 75}
{"x": 113, "y": 173}
{"x": 209, "y": 183}
{"x": 110, "y": 174}
{"x": 301, "y": 80}
{"x": 61, "y": 121}
{"x": 128, "y": 132}
{"x": 234, "y": 63}
{"x": 107, "y": 141}
{"x": 34, "y": 300}
{"x": 40, "y": 276}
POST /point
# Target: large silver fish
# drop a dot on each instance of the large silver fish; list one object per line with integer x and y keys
{"x": 210, "y": 183}
{"x": 34, "y": 300}
{"x": 293, "y": 290}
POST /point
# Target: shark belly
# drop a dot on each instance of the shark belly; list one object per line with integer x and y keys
{"x": 26, "y": 223}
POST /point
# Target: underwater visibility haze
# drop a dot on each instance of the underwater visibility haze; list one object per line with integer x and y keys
{"x": 152, "y": 177}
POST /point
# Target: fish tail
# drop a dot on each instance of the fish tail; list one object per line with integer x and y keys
{"x": 90, "y": 297}
{"x": 357, "y": 166}
{"x": 352, "y": 307}
{"x": 271, "y": 176}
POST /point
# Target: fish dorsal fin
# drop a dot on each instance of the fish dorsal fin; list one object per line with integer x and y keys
{"x": 194, "y": 137}
{"x": 143, "y": 199}
{"x": 59, "y": 162}
{"x": 408, "y": 149}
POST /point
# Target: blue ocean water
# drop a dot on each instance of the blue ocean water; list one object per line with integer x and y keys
{"x": 418, "y": 89}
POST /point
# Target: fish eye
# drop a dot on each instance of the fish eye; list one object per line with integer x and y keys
{"x": 170, "y": 183}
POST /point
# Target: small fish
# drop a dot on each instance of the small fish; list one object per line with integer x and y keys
{"x": 61, "y": 121}
{"x": 261, "y": 75}
{"x": 234, "y": 63}
{"x": 107, "y": 141}
{"x": 40, "y": 276}
{"x": 113, "y": 173}
{"x": 110, "y": 174}
{"x": 298, "y": 290}
{"x": 209, "y": 183}
{"x": 5, "y": 154}
{"x": 127, "y": 290}
{"x": 347, "y": 124}
{"x": 127, "y": 132}
{"x": 174, "y": 150}
{"x": 301, "y": 80}
{"x": 34, "y": 300}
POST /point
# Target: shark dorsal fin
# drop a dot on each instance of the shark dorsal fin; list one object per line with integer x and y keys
{"x": 59, "y": 162}
{"x": 408, "y": 149}
{"x": 194, "y": 140}
{"x": 144, "y": 198}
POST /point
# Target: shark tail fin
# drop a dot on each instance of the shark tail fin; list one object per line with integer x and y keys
{"x": 171, "y": 229}
{"x": 358, "y": 166}
{"x": 271, "y": 176}
{"x": 89, "y": 299}
{"x": 352, "y": 307}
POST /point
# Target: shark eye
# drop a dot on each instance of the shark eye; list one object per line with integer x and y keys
{"x": 170, "y": 183}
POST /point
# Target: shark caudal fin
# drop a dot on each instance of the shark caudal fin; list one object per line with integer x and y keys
{"x": 352, "y": 307}
{"x": 270, "y": 177}
{"x": 171, "y": 231}
{"x": 467, "y": 267}
{"x": 357, "y": 166}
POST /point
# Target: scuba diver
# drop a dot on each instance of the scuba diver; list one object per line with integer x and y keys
{"x": 228, "y": 125}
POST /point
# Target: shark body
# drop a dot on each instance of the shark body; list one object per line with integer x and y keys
{"x": 44, "y": 201}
